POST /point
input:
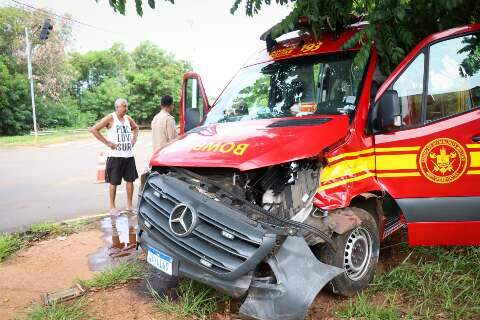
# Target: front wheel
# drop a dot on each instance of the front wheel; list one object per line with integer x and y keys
{"x": 357, "y": 254}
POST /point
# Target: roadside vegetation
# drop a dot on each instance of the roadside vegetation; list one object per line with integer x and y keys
{"x": 64, "y": 311}
{"x": 193, "y": 300}
{"x": 432, "y": 283}
{"x": 11, "y": 243}
{"x": 117, "y": 275}
{"x": 72, "y": 89}
{"x": 59, "y": 136}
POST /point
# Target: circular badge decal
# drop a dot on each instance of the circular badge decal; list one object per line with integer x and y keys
{"x": 443, "y": 160}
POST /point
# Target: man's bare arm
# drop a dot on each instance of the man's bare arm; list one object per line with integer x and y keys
{"x": 135, "y": 130}
{"x": 95, "y": 130}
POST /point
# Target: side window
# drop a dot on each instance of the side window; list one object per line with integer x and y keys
{"x": 410, "y": 91}
{"x": 453, "y": 77}
{"x": 194, "y": 106}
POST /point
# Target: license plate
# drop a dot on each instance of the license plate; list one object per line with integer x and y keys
{"x": 160, "y": 260}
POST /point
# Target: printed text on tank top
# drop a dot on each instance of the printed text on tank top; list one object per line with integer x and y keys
{"x": 121, "y": 135}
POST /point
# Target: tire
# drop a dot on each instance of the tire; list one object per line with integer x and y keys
{"x": 359, "y": 265}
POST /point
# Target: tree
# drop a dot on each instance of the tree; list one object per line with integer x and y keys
{"x": 100, "y": 101}
{"x": 15, "y": 112}
{"x": 119, "y": 5}
{"x": 51, "y": 72}
{"x": 395, "y": 26}
{"x": 94, "y": 67}
{"x": 154, "y": 74}
{"x": 142, "y": 77}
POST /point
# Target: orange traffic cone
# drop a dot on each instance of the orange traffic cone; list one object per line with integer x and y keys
{"x": 101, "y": 168}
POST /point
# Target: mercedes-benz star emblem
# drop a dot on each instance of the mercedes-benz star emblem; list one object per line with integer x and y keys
{"x": 183, "y": 219}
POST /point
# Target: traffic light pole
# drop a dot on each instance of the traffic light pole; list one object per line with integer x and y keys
{"x": 30, "y": 77}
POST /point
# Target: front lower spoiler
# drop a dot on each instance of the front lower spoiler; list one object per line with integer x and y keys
{"x": 299, "y": 277}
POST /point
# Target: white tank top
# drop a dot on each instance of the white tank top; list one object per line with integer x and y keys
{"x": 120, "y": 134}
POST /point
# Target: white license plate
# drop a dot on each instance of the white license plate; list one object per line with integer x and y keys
{"x": 160, "y": 260}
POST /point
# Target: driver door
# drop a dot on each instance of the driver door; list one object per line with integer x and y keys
{"x": 193, "y": 103}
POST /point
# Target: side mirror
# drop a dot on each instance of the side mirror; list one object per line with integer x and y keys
{"x": 389, "y": 112}
{"x": 194, "y": 103}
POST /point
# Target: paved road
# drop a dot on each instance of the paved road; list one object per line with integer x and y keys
{"x": 57, "y": 182}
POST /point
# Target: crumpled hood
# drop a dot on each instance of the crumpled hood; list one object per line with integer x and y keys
{"x": 247, "y": 145}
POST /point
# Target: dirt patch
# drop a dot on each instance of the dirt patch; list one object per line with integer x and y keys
{"x": 325, "y": 305}
{"x": 128, "y": 302}
{"x": 46, "y": 267}
{"x": 54, "y": 265}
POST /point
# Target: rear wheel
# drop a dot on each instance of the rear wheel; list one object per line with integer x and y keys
{"x": 357, "y": 254}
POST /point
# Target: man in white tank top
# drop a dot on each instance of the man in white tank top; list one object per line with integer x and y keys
{"x": 121, "y": 137}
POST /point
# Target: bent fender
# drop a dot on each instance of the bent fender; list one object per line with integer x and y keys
{"x": 300, "y": 277}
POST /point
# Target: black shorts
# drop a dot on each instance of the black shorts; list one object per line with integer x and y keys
{"x": 118, "y": 168}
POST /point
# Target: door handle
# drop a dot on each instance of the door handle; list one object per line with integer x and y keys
{"x": 476, "y": 138}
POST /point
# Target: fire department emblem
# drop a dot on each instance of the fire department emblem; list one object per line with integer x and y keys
{"x": 443, "y": 160}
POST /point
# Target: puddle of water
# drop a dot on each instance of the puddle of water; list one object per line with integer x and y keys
{"x": 120, "y": 236}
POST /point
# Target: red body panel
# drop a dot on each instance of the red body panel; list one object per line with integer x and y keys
{"x": 217, "y": 145}
{"x": 357, "y": 162}
{"x": 460, "y": 128}
{"x": 348, "y": 183}
{"x": 443, "y": 233}
{"x": 304, "y": 46}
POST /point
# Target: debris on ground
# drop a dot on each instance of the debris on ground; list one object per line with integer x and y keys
{"x": 63, "y": 295}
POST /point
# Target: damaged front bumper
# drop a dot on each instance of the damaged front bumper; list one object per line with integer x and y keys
{"x": 224, "y": 249}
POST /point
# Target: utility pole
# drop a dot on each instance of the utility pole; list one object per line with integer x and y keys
{"x": 30, "y": 77}
{"x": 44, "y": 33}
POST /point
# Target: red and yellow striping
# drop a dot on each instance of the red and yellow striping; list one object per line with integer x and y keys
{"x": 382, "y": 162}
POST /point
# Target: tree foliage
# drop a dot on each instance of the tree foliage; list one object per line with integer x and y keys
{"x": 76, "y": 89}
{"x": 395, "y": 26}
{"x": 120, "y": 5}
{"x": 142, "y": 77}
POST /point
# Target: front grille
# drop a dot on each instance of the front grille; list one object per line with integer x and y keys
{"x": 227, "y": 257}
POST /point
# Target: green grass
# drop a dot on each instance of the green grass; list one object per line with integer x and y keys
{"x": 72, "y": 311}
{"x": 59, "y": 136}
{"x": 194, "y": 301}
{"x": 363, "y": 308}
{"x": 433, "y": 283}
{"x": 9, "y": 244}
{"x": 117, "y": 275}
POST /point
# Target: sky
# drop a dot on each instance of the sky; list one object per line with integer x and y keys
{"x": 201, "y": 31}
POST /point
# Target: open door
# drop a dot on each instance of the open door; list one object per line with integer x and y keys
{"x": 194, "y": 103}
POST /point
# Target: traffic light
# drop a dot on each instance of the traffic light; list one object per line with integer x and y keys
{"x": 46, "y": 28}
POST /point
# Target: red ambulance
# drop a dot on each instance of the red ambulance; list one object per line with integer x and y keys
{"x": 306, "y": 162}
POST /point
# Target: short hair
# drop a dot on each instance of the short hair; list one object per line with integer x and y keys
{"x": 166, "y": 101}
{"x": 120, "y": 102}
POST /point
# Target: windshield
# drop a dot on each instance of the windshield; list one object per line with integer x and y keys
{"x": 290, "y": 88}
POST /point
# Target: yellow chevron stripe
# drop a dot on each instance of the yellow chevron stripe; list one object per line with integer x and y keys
{"x": 397, "y": 149}
{"x": 475, "y": 159}
{"x": 397, "y": 161}
{"x": 350, "y": 154}
{"x": 473, "y": 146}
{"x": 342, "y": 182}
{"x": 370, "y": 150}
{"x": 473, "y": 172}
{"x": 348, "y": 167}
{"x": 398, "y": 174}
{"x": 368, "y": 175}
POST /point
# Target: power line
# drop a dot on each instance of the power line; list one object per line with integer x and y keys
{"x": 32, "y": 8}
